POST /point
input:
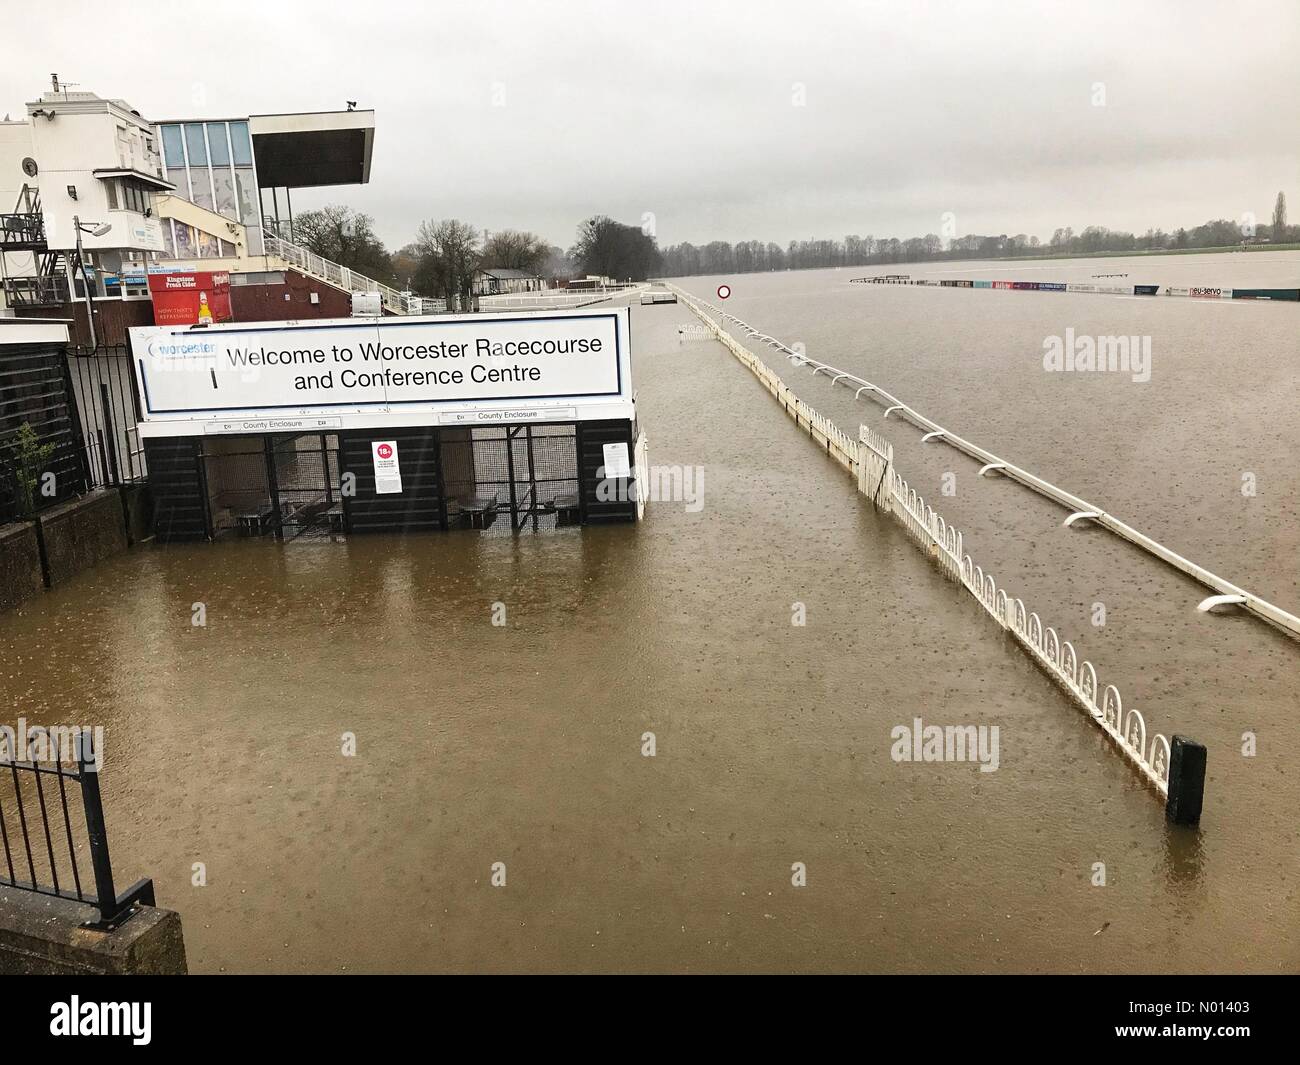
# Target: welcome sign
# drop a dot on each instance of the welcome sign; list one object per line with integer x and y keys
{"x": 438, "y": 369}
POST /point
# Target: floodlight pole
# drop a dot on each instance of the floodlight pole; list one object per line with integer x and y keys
{"x": 85, "y": 283}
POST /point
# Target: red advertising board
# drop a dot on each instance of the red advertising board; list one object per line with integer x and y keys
{"x": 190, "y": 298}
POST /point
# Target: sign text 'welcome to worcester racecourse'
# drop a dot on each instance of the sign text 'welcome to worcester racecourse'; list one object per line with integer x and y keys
{"x": 402, "y": 371}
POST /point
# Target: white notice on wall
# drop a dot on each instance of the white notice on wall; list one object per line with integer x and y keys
{"x": 616, "y": 461}
{"x": 388, "y": 474}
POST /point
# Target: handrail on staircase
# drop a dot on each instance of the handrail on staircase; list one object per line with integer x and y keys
{"x": 333, "y": 273}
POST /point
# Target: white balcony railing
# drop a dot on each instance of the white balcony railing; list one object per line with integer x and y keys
{"x": 555, "y": 298}
{"x": 340, "y": 276}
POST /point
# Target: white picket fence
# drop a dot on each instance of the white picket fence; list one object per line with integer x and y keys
{"x": 870, "y": 459}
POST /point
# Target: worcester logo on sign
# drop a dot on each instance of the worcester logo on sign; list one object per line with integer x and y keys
{"x": 559, "y": 365}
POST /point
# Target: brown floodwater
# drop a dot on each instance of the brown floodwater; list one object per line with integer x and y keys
{"x": 522, "y": 744}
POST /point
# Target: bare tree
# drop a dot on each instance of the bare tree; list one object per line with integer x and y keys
{"x": 514, "y": 250}
{"x": 344, "y": 236}
{"x": 1279, "y": 219}
{"x": 449, "y": 255}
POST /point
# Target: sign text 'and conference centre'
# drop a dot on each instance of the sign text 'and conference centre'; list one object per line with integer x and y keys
{"x": 437, "y": 370}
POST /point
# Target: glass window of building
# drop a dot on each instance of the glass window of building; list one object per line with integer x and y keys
{"x": 201, "y": 185}
{"x": 223, "y": 188}
{"x": 248, "y": 213}
{"x": 133, "y": 196}
{"x": 218, "y": 149}
{"x": 240, "y": 144}
{"x": 169, "y": 242}
{"x": 178, "y": 178}
{"x": 110, "y": 189}
{"x": 194, "y": 144}
{"x": 172, "y": 147}
{"x": 185, "y": 246}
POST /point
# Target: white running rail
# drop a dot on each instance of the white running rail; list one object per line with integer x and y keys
{"x": 871, "y": 460}
{"x": 1080, "y": 510}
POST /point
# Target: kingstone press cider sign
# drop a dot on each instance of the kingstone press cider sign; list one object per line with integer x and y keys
{"x": 190, "y": 297}
{"x": 572, "y": 364}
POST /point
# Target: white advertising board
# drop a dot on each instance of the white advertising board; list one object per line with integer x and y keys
{"x": 435, "y": 370}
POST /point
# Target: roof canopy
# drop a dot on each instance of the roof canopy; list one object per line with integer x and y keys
{"x": 315, "y": 148}
{"x": 152, "y": 180}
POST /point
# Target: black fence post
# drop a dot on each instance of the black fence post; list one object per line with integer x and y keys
{"x": 113, "y": 908}
{"x": 74, "y": 414}
{"x": 273, "y": 483}
{"x": 96, "y": 832}
{"x": 1186, "y": 781}
{"x": 112, "y": 471}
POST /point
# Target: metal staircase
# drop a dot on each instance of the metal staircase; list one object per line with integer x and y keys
{"x": 322, "y": 269}
{"x": 23, "y": 230}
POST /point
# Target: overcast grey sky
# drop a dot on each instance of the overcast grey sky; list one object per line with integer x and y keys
{"x": 734, "y": 120}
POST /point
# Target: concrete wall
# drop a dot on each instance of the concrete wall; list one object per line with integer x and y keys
{"x": 21, "y": 576}
{"x": 62, "y": 542}
{"x": 42, "y": 936}
{"x": 16, "y": 144}
{"x": 79, "y": 534}
{"x": 137, "y": 503}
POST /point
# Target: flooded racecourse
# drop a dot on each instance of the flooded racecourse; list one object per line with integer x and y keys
{"x": 525, "y": 743}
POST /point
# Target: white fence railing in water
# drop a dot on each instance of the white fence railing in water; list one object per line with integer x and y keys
{"x": 871, "y": 461}
{"x": 1226, "y": 593}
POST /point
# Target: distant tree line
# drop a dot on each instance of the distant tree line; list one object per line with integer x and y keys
{"x": 721, "y": 257}
{"x": 446, "y": 254}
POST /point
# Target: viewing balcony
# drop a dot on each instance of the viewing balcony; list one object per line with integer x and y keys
{"x": 22, "y": 232}
{"x": 37, "y": 291}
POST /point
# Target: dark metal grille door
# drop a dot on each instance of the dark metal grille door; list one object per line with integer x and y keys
{"x": 239, "y": 495}
{"x": 506, "y": 478}
{"x": 306, "y": 484}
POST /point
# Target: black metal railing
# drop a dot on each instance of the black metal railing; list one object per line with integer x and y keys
{"x": 52, "y": 825}
{"x": 22, "y": 231}
{"x": 40, "y": 433}
{"x": 37, "y": 291}
{"x": 107, "y": 400}
{"x": 84, "y": 408}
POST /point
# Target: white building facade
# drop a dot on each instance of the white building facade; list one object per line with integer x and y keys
{"x": 145, "y": 196}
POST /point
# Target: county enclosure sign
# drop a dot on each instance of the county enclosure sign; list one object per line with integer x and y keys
{"x": 464, "y": 369}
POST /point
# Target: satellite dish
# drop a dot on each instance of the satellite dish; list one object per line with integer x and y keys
{"x": 29, "y": 167}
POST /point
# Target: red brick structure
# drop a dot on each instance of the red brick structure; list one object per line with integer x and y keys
{"x": 290, "y": 301}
